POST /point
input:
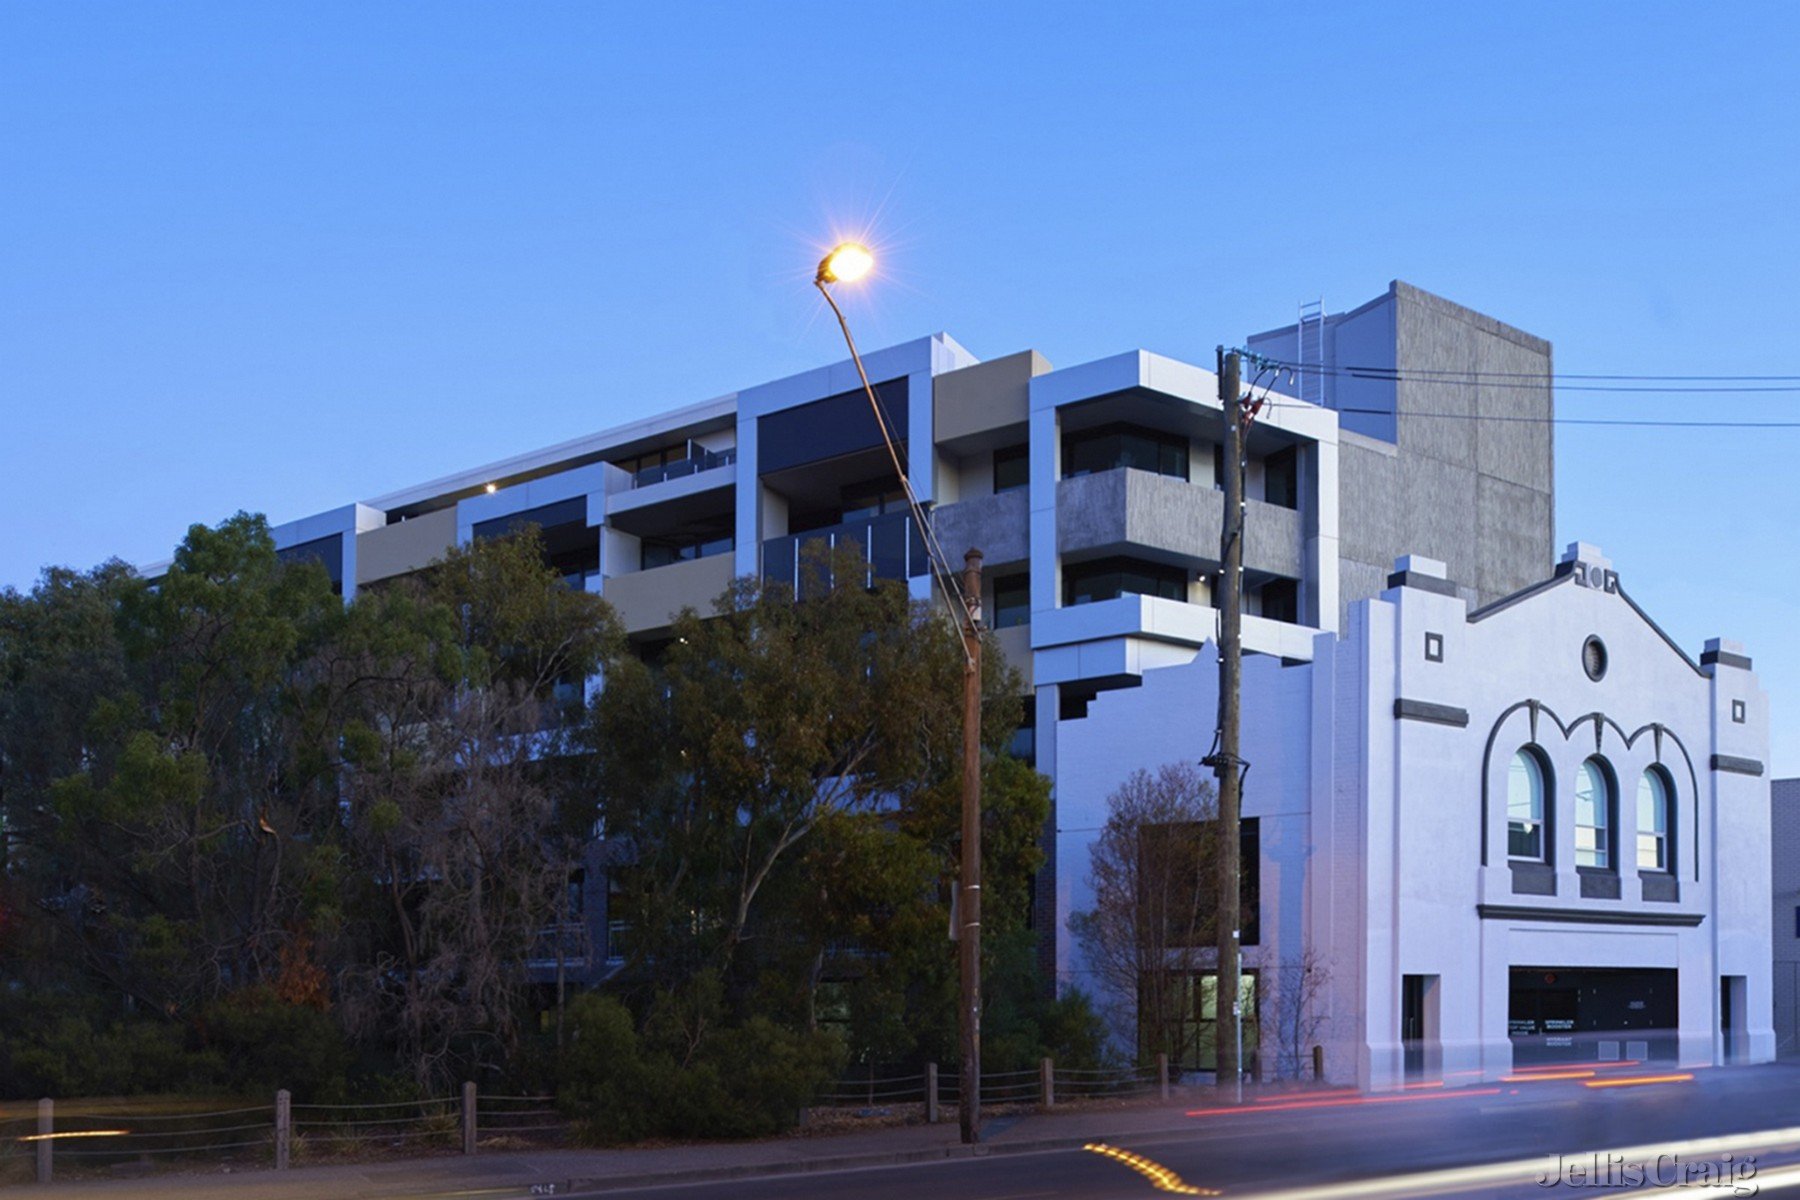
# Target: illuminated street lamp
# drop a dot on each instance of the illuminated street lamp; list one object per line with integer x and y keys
{"x": 848, "y": 262}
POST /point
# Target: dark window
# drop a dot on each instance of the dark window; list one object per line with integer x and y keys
{"x": 837, "y": 425}
{"x": 571, "y": 545}
{"x": 1110, "y": 578}
{"x": 328, "y": 552}
{"x": 685, "y": 547}
{"x": 1012, "y": 600}
{"x": 1797, "y": 922}
{"x": 546, "y": 517}
{"x": 1110, "y": 447}
{"x": 1281, "y": 478}
{"x": 1250, "y": 881}
{"x": 1281, "y": 600}
{"x": 1024, "y": 740}
{"x": 872, "y": 500}
{"x": 1218, "y": 467}
{"x": 660, "y": 457}
{"x": 1175, "y": 881}
{"x": 1012, "y": 468}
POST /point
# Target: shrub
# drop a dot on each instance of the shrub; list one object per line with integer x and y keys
{"x": 264, "y": 1043}
{"x": 748, "y": 1081}
{"x": 74, "y": 1056}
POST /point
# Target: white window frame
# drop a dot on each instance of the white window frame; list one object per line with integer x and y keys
{"x": 1653, "y": 790}
{"x": 1527, "y": 764}
{"x": 1593, "y": 836}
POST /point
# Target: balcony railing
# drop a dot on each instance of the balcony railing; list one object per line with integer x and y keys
{"x": 706, "y": 460}
{"x": 570, "y": 937}
{"x": 890, "y": 545}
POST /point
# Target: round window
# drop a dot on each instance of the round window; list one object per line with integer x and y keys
{"x": 1593, "y": 658}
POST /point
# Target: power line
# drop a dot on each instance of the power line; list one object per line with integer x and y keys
{"x": 1646, "y": 384}
{"x": 1639, "y": 422}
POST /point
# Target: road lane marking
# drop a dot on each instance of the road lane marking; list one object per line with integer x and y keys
{"x": 1160, "y": 1176}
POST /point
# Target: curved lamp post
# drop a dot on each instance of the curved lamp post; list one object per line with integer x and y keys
{"x": 847, "y": 263}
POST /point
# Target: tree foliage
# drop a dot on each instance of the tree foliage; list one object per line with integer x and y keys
{"x": 1153, "y": 871}
{"x": 252, "y": 836}
{"x": 226, "y": 793}
{"x": 788, "y": 780}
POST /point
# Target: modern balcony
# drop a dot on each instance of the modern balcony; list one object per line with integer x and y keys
{"x": 694, "y": 464}
{"x": 890, "y": 544}
{"x": 694, "y": 476}
{"x": 997, "y": 525}
{"x": 650, "y": 599}
{"x": 1126, "y": 510}
{"x": 405, "y": 546}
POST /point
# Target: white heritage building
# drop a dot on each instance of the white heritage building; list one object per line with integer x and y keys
{"x": 1531, "y": 831}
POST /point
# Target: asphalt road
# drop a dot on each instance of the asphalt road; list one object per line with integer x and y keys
{"x": 1496, "y": 1140}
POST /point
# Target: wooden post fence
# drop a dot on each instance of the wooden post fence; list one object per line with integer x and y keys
{"x": 284, "y": 1128}
{"x": 468, "y": 1118}
{"x": 46, "y": 1127}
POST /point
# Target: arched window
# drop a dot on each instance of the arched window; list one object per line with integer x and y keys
{"x": 1525, "y": 807}
{"x": 1593, "y": 815}
{"x": 1655, "y": 813}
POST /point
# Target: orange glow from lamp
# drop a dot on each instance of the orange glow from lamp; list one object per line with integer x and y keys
{"x": 847, "y": 263}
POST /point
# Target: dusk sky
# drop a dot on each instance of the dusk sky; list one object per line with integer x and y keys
{"x": 283, "y": 257}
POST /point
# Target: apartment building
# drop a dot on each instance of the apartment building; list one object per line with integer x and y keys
{"x": 1094, "y": 493}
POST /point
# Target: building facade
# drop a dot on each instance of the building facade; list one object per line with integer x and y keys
{"x": 1531, "y": 831}
{"x": 1094, "y": 492}
{"x": 1784, "y": 804}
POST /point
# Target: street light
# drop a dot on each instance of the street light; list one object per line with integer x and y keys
{"x": 848, "y": 262}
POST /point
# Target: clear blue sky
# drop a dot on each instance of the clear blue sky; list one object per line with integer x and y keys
{"x": 280, "y": 257}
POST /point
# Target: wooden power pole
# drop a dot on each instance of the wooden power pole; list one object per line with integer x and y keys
{"x": 1226, "y": 764}
{"x": 969, "y": 901}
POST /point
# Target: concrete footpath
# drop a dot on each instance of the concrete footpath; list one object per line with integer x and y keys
{"x": 501, "y": 1175}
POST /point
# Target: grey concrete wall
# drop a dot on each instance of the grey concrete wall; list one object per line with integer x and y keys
{"x": 999, "y": 526}
{"x": 1784, "y": 820}
{"x": 1123, "y": 511}
{"x": 1477, "y": 494}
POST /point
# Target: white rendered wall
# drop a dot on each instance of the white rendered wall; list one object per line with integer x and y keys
{"x": 1373, "y": 824}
